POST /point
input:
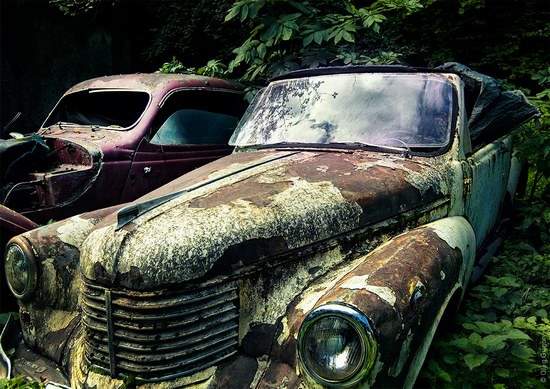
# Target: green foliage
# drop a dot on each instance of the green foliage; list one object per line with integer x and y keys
{"x": 289, "y": 35}
{"x": 19, "y": 383}
{"x": 214, "y": 68}
{"x": 503, "y": 327}
{"x": 535, "y": 138}
{"x": 174, "y": 66}
{"x": 535, "y": 148}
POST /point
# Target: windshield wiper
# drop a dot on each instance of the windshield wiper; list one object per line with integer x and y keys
{"x": 406, "y": 151}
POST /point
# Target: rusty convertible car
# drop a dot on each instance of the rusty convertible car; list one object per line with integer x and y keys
{"x": 322, "y": 253}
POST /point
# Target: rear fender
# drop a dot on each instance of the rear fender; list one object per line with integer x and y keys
{"x": 402, "y": 287}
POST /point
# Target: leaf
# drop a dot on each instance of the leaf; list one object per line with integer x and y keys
{"x": 461, "y": 343}
{"x": 308, "y": 39}
{"x": 449, "y": 358}
{"x": 474, "y": 338}
{"x": 318, "y": 37}
{"x": 522, "y": 352}
{"x": 348, "y": 37}
{"x": 244, "y": 12}
{"x": 488, "y": 328}
{"x": 270, "y": 32}
{"x": 475, "y": 360}
{"x": 338, "y": 36}
{"x": 368, "y": 21}
{"x": 444, "y": 376}
{"x": 517, "y": 334}
{"x": 492, "y": 343}
{"x": 252, "y": 10}
{"x": 234, "y": 11}
{"x": 261, "y": 49}
{"x": 501, "y": 372}
{"x": 287, "y": 33}
{"x": 470, "y": 326}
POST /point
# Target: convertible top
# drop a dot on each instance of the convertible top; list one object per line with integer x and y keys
{"x": 492, "y": 111}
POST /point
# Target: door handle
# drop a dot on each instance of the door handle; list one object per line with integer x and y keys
{"x": 146, "y": 170}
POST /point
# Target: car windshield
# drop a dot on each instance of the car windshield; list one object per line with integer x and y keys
{"x": 385, "y": 109}
{"x": 114, "y": 109}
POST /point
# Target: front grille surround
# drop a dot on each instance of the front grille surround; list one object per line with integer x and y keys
{"x": 159, "y": 335}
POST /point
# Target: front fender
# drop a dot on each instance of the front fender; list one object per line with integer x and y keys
{"x": 50, "y": 314}
{"x": 402, "y": 287}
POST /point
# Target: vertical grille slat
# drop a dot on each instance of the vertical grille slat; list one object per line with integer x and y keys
{"x": 159, "y": 335}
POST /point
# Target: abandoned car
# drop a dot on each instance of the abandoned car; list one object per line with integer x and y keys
{"x": 322, "y": 253}
{"x": 112, "y": 139}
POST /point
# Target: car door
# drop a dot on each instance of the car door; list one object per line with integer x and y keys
{"x": 146, "y": 173}
{"x": 486, "y": 173}
{"x": 193, "y": 128}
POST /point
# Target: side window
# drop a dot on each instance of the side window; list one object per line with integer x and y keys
{"x": 197, "y": 117}
{"x": 193, "y": 126}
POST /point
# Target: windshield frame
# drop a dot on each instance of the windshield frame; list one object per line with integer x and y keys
{"x": 421, "y": 150}
{"x": 98, "y": 90}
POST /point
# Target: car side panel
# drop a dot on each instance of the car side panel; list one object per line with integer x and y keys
{"x": 489, "y": 170}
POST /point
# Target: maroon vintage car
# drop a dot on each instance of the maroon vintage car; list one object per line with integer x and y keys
{"x": 112, "y": 139}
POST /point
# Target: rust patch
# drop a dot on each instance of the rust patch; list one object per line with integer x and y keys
{"x": 279, "y": 375}
{"x": 380, "y": 190}
{"x": 250, "y": 190}
{"x": 131, "y": 279}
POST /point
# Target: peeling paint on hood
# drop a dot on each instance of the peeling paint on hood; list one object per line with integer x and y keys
{"x": 248, "y": 214}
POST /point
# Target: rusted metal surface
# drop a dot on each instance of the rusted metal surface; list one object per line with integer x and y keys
{"x": 13, "y": 223}
{"x": 56, "y": 299}
{"x": 400, "y": 286}
{"x": 301, "y": 203}
{"x": 207, "y": 280}
{"x": 83, "y": 162}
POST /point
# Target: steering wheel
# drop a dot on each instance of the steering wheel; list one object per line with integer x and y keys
{"x": 403, "y": 136}
{"x": 398, "y": 140}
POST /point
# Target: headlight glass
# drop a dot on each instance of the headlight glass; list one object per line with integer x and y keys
{"x": 336, "y": 345}
{"x": 20, "y": 268}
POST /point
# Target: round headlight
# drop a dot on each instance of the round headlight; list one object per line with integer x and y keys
{"x": 20, "y": 266}
{"x": 336, "y": 345}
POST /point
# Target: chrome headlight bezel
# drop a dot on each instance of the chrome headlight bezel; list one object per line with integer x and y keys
{"x": 19, "y": 246}
{"x": 359, "y": 322}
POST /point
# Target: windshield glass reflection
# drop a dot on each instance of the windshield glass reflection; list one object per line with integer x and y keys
{"x": 413, "y": 110}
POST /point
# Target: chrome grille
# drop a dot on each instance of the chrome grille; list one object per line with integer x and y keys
{"x": 156, "y": 336}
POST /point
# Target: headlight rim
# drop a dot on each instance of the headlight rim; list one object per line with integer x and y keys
{"x": 25, "y": 247}
{"x": 361, "y": 325}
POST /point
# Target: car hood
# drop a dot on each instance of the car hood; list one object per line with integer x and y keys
{"x": 249, "y": 207}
